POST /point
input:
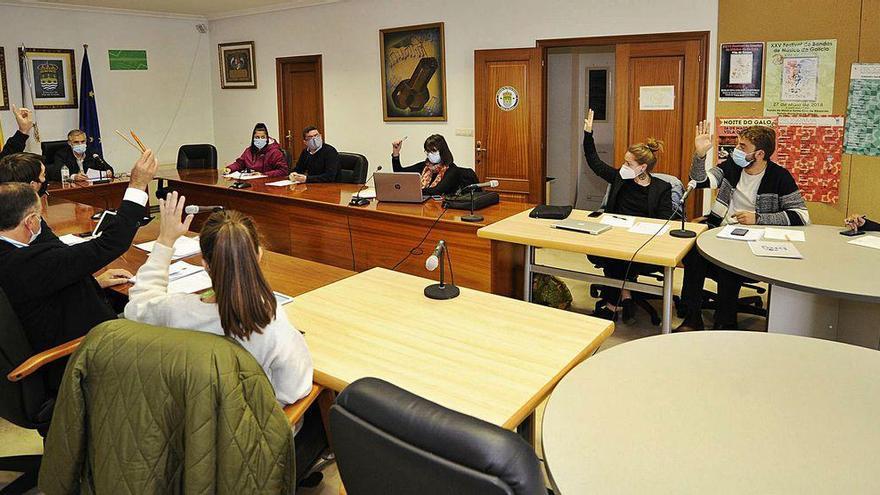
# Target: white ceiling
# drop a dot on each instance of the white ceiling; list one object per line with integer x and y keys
{"x": 202, "y": 8}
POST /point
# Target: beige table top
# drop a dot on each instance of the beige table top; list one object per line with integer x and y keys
{"x": 830, "y": 266}
{"x": 663, "y": 250}
{"x": 717, "y": 412}
{"x": 488, "y": 356}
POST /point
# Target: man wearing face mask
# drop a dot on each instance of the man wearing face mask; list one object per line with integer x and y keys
{"x": 752, "y": 190}
{"x": 28, "y": 168}
{"x": 79, "y": 159}
{"x": 264, "y": 155}
{"x": 318, "y": 162}
{"x": 50, "y": 285}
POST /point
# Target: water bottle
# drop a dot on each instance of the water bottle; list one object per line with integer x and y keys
{"x": 65, "y": 174}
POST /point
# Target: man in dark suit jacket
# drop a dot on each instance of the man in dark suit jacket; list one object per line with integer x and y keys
{"x": 17, "y": 142}
{"x": 50, "y": 286}
{"x": 28, "y": 168}
{"x": 318, "y": 162}
{"x": 78, "y": 158}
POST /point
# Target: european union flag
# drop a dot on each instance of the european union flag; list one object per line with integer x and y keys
{"x": 88, "y": 111}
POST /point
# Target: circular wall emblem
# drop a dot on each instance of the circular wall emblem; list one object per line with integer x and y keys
{"x": 507, "y": 98}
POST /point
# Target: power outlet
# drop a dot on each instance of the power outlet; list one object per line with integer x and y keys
{"x": 464, "y": 132}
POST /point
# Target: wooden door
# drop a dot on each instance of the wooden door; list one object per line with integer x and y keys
{"x": 646, "y": 67}
{"x": 300, "y": 99}
{"x": 508, "y": 137}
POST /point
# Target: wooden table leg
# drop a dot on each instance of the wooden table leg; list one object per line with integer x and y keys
{"x": 526, "y": 429}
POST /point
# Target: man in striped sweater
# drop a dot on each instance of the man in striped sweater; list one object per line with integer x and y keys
{"x": 752, "y": 190}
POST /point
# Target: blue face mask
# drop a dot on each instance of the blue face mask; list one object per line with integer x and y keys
{"x": 740, "y": 158}
{"x": 260, "y": 142}
{"x": 79, "y": 148}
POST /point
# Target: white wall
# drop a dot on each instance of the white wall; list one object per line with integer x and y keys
{"x": 145, "y": 101}
{"x": 347, "y": 35}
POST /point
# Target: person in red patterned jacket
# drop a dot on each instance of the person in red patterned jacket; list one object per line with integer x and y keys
{"x": 264, "y": 155}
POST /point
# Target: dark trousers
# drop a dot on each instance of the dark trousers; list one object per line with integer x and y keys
{"x": 616, "y": 269}
{"x": 696, "y": 269}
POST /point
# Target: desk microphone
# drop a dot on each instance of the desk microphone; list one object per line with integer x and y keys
{"x": 684, "y": 233}
{"x": 472, "y": 187}
{"x": 101, "y": 179}
{"x": 357, "y": 200}
{"x": 433, "y": 261}
{"x": 195, "y": 210}
{"x": 442, "y": 290}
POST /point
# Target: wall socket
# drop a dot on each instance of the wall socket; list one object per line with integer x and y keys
{"x": 464, "y": 132}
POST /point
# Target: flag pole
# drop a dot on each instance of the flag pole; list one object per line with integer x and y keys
{"x": 27, "y": 80}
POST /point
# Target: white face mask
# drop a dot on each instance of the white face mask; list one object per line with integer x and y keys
{"x": 79, "y": 148}
{"x": 36, "y": 234}
{"x": 260, "y": 142}
{"x": 315, "y": 143}
{"x": 627, "y": 173}
{"x": 434, "y": 157}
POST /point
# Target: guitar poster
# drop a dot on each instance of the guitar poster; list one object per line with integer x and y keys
{"x": 413, "y": 73}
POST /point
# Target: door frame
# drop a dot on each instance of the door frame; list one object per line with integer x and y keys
{"x": 702, "y": 36}
{"x": 279, "y": 89}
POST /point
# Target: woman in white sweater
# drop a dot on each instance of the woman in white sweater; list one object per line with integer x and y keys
{"x": 241, "y": 305}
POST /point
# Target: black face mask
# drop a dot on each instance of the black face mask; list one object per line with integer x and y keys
{"x": 44, "y": 189}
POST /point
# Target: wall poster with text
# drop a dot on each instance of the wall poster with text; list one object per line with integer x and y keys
{"x": 742, "y": 70}
{"x": 800, "y": 77}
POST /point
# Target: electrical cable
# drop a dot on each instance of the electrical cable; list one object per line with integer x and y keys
{"x": 416, "y": 251}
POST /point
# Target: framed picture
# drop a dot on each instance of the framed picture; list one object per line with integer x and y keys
{"x": 413, "y": 73}
{"x": 237, "y": 66}
{"x": 53, "y": 74}
{"x": 4, "y": 86}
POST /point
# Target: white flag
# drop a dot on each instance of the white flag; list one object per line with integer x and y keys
{"x": 27, "y": 101}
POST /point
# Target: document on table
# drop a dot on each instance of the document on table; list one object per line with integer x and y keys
{"x": 617, "y": 220}
{"x": 366, "y": 194}
{"x": 774, "y": 249}
{"x": 183, "y": 247}
{"x": 282, "y": 298}
{"x": 190, "y": 284}
{"x": 178, "y": 270}
{"x": 749, "y": 235}
{"x": 648, "y": 228}
{"x": 93, "y": 174}
{"x": 244, "y": 175}
{"x": 871, "y": 241}
{"x": 280, "y": 183}
{"x": 784, "y": 234}
{"x": 72, "y": 239}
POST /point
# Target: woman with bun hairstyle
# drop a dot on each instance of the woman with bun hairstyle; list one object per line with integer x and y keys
{"x": 633, "y": 192}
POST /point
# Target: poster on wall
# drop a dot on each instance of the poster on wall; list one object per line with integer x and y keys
{"x": 863, "y": 111}
{"x": 4, "y": 87}
{"x": 800, "y": 77}
{"x": 413, "y": 73}
{"x": 727, "y": 129}
{"x": 742, "y": 70}
{"x": 811, "y": 148}
{"x": 237, "y": 66}
{"x": 54, "y": 76}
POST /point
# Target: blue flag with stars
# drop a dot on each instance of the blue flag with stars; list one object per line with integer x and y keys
{"x": 88, "y": 111}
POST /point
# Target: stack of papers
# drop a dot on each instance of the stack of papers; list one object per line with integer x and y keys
{"x": 617, "y": 220}
{"x": 183, "y": 247}
{"x": 72, "y": 239}
{"x": 244, "y": 175}
{"x": 774, "y": 249}
{"x": 648, "y": 228}
{"x": 784, "y": 234}
{"x": 871, "y": 241}
{"x": 369, "y": 193}
{"x": 751, "y": 234}
{"x": 280, "y": 183}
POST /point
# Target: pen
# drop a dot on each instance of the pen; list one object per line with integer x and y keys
{"x": 617, "y": 217}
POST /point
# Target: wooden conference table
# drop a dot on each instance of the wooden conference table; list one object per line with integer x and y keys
{"x": 315, "y": 222}
{"x": 717, "y": 412}
{"x": 103, "y": 196}
{"x": 664, "y": 250}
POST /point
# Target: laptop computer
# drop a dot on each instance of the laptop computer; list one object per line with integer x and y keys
{"x": 581, "y": 226}
{"x": 399, "y": 187}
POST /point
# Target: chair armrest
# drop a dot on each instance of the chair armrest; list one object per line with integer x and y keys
{"x": 37, "y": 361}
{"x": 295, "y": 411}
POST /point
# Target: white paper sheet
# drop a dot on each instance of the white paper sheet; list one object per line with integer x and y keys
{"x": 178, "y": 270}
{"x": 656, "y": 97}
{"x": 280, "y": 183}
{"x": 366, "y": 193}
{"x": 244, "y": 176}
{"x": 871, "y": 241}
{"x": 617, "y": 220}
{"x": 282, "y": 298}
{"x": 93, "y": 174}
{"x": 72, "y": 239}
{"x": 190, "y": 284}
{"x": 774, "y": 249}
{"x": 751, "y": 235}
{"x": 648, "y": 228}
{"x": 183, "y": 247}
{"x": 784, "y": 234}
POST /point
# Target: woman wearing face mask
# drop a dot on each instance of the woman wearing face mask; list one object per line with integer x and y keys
{"x": 633, "y": 192}
{"x": 263, "y": 155}
{"x": 439, "y": 173}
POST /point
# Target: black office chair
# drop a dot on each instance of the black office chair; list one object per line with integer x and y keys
{"x": 49, "y": 149}
{"x": 287, "y": 158}
{"x": 26, "y": 402}
{"x": 189, "y": 157}
{"x": 352, "y": 168}
{"x": 390, "y": 441}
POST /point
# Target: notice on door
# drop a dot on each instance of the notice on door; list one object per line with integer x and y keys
{"x": 656, "y": 97}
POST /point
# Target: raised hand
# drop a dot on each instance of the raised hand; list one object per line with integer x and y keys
{"x": 395, "y": 147}
{"x": 24, "y": 118}
{"x": 588, "y": 122}
{"x": 170, "y": 212}
{"x": 703, "y": 141}
{"x": 144, "y": 170}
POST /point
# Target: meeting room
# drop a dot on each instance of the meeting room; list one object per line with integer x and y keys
{"x": 386, "y": 248}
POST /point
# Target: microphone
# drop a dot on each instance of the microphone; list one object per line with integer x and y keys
{"x": 195, "y": 210}
{"x": 691, "y": 186}
{"x": 491, "y": 183}
{"x": 357, "y": 200}
{"x": 101, "y": 179}
{"x": 433, "y": 261}
{"x": 684, "y": 233}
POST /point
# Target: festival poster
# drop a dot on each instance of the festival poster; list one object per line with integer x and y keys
{"x": 742, "y": 67}
{"x": 800, "y": 77}
{"x": 726, "y": 130}
{"x": 811, "y": 148}
{"x": 863, "y": 111}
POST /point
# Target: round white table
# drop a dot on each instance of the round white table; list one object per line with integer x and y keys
{"x": 717, "y": 412}
{"x": 831, "y": 293}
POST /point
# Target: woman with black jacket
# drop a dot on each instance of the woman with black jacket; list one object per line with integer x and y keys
{"x": 438, "y": 171}
{"x": 633, "y": 192}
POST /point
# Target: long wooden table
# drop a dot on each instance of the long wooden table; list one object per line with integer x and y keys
{"x": 315, "y": 222}
{"x": 103, "y": 196}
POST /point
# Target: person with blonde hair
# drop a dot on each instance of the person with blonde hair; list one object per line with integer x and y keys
{"x": 633, "y": 191}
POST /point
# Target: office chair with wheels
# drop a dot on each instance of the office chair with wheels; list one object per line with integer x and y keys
{"x": 390, "y": 441}
{"x": 352, "y": 168}
{"x": 49, "y": 148}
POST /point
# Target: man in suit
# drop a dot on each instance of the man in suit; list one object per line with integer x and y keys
{"x": 28, "y": 168}
{"x": 50, "y": 286}
{"x": 78, "y": 158}
{"x": 17, "y": 142}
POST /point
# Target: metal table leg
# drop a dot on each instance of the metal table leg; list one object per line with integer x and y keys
{"x": 527, "y": 273}
{"x": 667, "y": 298}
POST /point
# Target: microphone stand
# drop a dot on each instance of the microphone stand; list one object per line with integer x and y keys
{"x": 443, "y": 291}
{"x": 357, "y": 200}
{"x": 472, "y": 217}
{"x": 682, "y": 233}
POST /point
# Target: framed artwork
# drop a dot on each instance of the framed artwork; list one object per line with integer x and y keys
{"x": 53, "y": 74}
{"x": 413, "y": 73}
{"x": 237, "y": 66}
{"x": 4, "y": 86}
